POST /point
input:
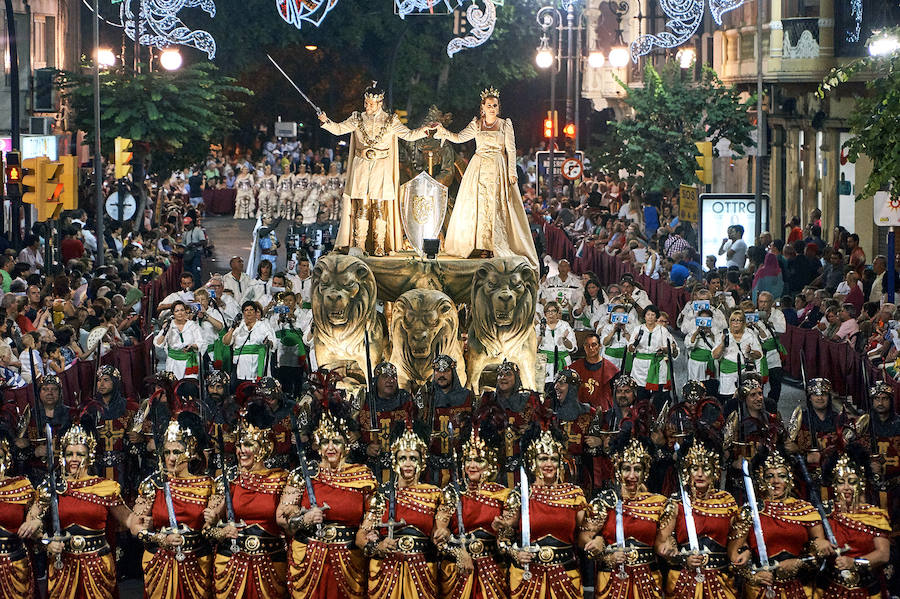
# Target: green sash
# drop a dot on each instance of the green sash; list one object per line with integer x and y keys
{"x": 727, "y": 366}
{"x": 259, "y": 351}
{"x": 561, "y": 358}
{"x": 306, "y": 305}
{"x": 189, "y": 357}
{"x": 653, "y": 370}
{"x": 291, "y": 338}
{"x": 701, "y": 354}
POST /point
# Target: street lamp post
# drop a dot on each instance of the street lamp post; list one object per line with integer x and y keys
{"x": 547, "y": 17}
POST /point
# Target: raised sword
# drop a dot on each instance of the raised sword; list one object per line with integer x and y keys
{"x": 229, "y": 505}
{"x": 307, "y": 479}
{"x": 525, "y": 516}
{"x": 620, "y": 536}
{"x": 291, "y": 81}
{"x": 689, "y": 523}
{"x": 757, "y": 524}
{"x": 392, "y": 522}
{"x": 174, "y": 528}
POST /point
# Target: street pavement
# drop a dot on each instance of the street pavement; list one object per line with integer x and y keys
{"x": 232, "y": 237}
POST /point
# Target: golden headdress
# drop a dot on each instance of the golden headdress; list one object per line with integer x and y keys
{"x": 476, "y": 448}
{"x": 328, "y": 428}
{"x": 177, "y": 433}
{"x": 490, "y": 92}
{"x": 78, "y": 435}
{"x": 771, "y": 458}
{"x": 818, "y": 386}
{"x": 408, "y": 440}
{"x": 545, "y": 442}
{"x": 254, "y": 429}
{"x": 881, "y": 388}
{"x": 374, "y": 92}
{"x": 700, "y": 456}
{"x": 632, "y": 452}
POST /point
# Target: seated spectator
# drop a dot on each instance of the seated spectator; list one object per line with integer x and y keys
{"x": 768, "y": 278}
{"x": 849, "y": 327}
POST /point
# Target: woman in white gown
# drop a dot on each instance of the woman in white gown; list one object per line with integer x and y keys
{"x": 488, "y": 196}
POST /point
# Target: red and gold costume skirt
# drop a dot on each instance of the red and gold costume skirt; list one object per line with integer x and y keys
{"x": 640, "y": 582}
{"x": 83, "y": 576}
{"x": 487, "y": 580}
{"x": 165, "y": 576}
{"x": 403, "y": 576}
{"x": 547, "y": 582}
{"x": 319, "y": 570}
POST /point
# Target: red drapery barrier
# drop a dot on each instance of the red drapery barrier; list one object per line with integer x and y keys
{"x": 134, "y": 361}
{"x": 836, "y": 361}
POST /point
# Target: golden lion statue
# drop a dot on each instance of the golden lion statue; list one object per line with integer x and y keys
{"x": 343, "y": 307}
{"x": 424, "y": 324}
{"x": 504, "y": 291}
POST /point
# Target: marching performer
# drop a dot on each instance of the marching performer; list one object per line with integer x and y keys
{"x": 574, "y": 417}
{"x": 627, "y": 519}
{"x": 245, "y": 201}
{"x": 82, "y": 563}
{"x": 862, "y": 529}
{"x": 649, "y": 344}
{"x": 511, "y": 409}
{"x": 372, "y": 174}
{"x": 776, "y": 534}
{"x": 29, "y": 448}
{"x": 474, "y": 512}
{"x": 884, "y": 439}
{"x": 447, "y": 408}
{"x": 177, "y": 558}
{"x": 693, "y": 530}
{"x": 735, "y": 343}
{"x": 301, "y": 192}
{"x": 322, "y": 511}
{"x": 815, "y": 426}
{"x": 556, "y": 340}
{"x": 388, "y": 404}
{"x": 553, "y": 520}
{"x": 251, "y": 560}
{"x": 699, "y": 344}
{"x": 285, "y": 189}
{"x": 396, "y": 532}
{"x": 252, "y": 340}
{"x": 17, "y": 496}
{"x": 615, "y": 333}
{"x": 183, "y": 341}
{"x": 268, "y": 197}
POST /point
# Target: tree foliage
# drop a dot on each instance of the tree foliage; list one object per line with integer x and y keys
{"x": 670, "y": 113}
{"x": 175, "y": 114}
{"x": 875, "y": 120}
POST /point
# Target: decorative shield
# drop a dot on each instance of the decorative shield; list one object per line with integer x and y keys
{"x": 423, "y": 204}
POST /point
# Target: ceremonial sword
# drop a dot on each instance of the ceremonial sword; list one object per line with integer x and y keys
{"x": 54, "y": 499}
{"x": 454, "y": 480}
{"x": 170, "y": 508}
{"x": 526, "y": 521}
{"x": 304, "y": 469}
{"x": 757, "y": 525}
{"x": 291, "y": 81}
{"x": 229, "y": 505}
{"x": 620, "y": 537}
{"x": 392, "y": 507}
{"x": 689, "y": 522}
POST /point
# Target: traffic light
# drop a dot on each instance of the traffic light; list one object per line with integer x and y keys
{"x": 550, "y": 128}
{"x": 705, "y": 160}
{"x": 123, "y": 157}
{"x": 70, "y": 179}
{"x": 42, "y": 186}
{"x": 13, "y": 172}
{"x": 569, "y": 130}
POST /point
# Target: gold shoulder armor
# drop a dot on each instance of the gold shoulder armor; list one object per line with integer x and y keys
{"x": 729, "y": 434}
{"x": 514, "y": 501}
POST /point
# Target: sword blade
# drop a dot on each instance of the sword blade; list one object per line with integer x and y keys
{"x": 620, "y": 525}
{"x": 291, "y": 81}
{"x": 170, "y": 508}
{"x": 754, "y": 510}
{"x": 689, "y": 522}
{"x": 51, "y": 478}
{"x": 526, "y": 509}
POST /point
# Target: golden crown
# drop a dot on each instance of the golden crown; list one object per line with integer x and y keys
{"x": 373, "y": 94}
{"x": 490, "y": 92}
{"x": 774, "y": 461}
{"x": 633, "y": 453}
{"x": 701, "y": 457}
{"x": 175, "y": 433}
{"x": 77, "y": 435}
{"x": 261, "y": 437}
{"x": 545, "y": 443}
{"x": 845, "y": 466}
{"x": 328, "y": 428}
{"x": 476, "y": 449}
{"x": 881, "y": 388}
{"x": 409, "y": 441}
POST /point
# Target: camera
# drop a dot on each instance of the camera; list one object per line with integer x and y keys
{"x": 752, "y": 317}
{"x": 618, "y": 318}
{"x": 703, "y": 321}
{"x": 700, "y": 305}
{"x": 280, "y": 309}
{"x": 212, "y": 293}
{"x": 195, "y": 307}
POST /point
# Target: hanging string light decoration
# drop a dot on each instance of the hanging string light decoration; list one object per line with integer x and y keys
{"x": 160, "y": 26}
{"x": 409, "y": 7}
{"x": 481, "y": 26}
{"x": 311, "y": 11}
{"x": 683, "y": 19}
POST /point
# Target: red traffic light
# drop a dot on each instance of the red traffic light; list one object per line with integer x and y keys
{"x": 548, "y": 128}
{"x": 569, "y": 130}
{"x": 13, "y": 174}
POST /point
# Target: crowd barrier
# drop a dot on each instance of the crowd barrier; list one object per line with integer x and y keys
{"x": 836, "y": 361}
{"x": 135, "y": 362}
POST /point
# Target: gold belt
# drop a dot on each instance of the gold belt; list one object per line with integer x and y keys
{"x": 255, "y": 544}
{"x": 547, "y": 555}
{"x": 481, "y": 547}
{"x": 411, "y": 544}
{"x": 336, "y": 533}
{"x": 86, "y": 543}
{"x": 372, "y": 153}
